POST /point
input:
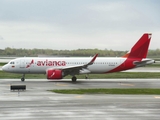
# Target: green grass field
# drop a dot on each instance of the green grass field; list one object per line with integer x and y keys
{"x": 1, "y": 64}
{"x": 109, "y": 91}
{"x": 5, "y": 75}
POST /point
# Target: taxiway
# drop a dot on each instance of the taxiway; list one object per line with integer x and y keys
{"x": 36, "y": 103}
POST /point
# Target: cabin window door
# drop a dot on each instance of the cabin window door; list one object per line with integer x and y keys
{"x": 22, "y": 63}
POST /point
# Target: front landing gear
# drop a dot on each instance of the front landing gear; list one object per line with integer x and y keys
{"x": 74, "y": 79}
{"x": 23, "y": 79}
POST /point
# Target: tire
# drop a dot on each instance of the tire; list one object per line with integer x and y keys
{"x": 22, "y": 79}
{"x": 74, "y": 79}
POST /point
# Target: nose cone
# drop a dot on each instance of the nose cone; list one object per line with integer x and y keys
{"x": 4, "y": 68}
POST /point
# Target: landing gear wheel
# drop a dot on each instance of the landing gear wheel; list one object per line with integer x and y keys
{"x": 22, "y": 79}
{"x": 74, "y": 79}
{"x": 86, "y": 77}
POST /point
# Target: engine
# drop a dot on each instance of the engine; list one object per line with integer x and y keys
{"x": 54, "y": 74}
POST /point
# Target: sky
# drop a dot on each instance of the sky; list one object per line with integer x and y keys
{"x": 78, "y": 24}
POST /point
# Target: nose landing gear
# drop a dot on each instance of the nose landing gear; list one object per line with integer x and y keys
{"x": 23, "y": 79}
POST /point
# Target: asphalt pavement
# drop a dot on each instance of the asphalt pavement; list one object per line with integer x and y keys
{"x": 36, "y": 103}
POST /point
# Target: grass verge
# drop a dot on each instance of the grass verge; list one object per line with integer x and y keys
{"x": 1, "y": 64}
{"x": 119, "y": 75}
{"x": 109, "y": 91}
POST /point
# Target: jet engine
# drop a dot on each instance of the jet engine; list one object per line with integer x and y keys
{"x": 54, "y": 74}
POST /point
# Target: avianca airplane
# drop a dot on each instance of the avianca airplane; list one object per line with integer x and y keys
{"x": 57, "y": 68}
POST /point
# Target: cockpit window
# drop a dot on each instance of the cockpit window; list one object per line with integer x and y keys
{"x": 11, "y": 62}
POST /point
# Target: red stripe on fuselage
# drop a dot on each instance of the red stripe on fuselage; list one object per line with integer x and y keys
{"x": 127, "y": 64}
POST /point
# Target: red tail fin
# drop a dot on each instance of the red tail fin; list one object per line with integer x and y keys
{"x": 140, "y": 49}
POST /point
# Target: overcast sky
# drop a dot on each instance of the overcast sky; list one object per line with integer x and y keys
{"x": 78, "y": 24}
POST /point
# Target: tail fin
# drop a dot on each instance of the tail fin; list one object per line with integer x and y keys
{"x": 140, "y": 49}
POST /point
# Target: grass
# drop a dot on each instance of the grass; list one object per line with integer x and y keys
{"x": 110, "y": 91}
{"x": 1, "y": 64}
{"x": 120, "y": 75}
{"x": 5, "y": 75}
{"x": 154, "y": 65}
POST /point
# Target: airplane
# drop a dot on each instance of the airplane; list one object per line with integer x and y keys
{"x": 59, "y": 67}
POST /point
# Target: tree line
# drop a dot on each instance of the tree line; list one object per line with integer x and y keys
{"x": 11, "y": 52}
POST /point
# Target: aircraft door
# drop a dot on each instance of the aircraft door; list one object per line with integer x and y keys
{"x": 22, "y": 63}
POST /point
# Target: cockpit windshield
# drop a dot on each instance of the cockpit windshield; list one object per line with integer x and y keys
{"x": 11, "y": 62}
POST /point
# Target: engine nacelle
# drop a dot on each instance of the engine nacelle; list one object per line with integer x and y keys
{"x": 54, "y": 74}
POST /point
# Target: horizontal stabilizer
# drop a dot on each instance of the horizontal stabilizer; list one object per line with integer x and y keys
{"x": 144, "y": 62}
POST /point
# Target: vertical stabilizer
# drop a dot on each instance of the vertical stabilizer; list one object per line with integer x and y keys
{"x": 140, "y": 49}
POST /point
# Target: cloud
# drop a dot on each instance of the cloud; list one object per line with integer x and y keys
{"x": 123, "y": 15}
{"x": 1, "y": 38}
{"x": 77, "y": 24}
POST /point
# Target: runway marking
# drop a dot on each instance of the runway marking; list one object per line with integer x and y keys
{"x": 157, "y": 97}
{"x": 79, "y": 96}
{"x": 61, "y": 84}
{"x": 127, "y": 84}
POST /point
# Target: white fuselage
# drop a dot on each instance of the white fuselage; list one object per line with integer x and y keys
{"x": 40, "y": 65}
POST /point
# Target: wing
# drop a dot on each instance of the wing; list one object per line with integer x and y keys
{"x": 76, "y": 69}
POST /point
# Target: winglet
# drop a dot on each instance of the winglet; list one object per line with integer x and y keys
{"x": 93, "y": 59}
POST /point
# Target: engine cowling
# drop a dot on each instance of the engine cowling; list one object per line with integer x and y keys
{"x": 54, "y": 74}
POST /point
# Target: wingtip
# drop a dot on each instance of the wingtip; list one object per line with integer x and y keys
{"x": 93, "y": 59}
{"x": 95, "y": 56}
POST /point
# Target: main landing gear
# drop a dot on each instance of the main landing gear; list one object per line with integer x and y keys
{"x": 74, "y": 79}
{"x": 23, "y": 79}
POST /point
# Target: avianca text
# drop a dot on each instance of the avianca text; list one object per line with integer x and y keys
{"x": 51, "y": 63}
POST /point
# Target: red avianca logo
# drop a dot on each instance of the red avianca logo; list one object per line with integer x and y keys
{"x": 51, "y": 63}
{"x": 30, "y": 64}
